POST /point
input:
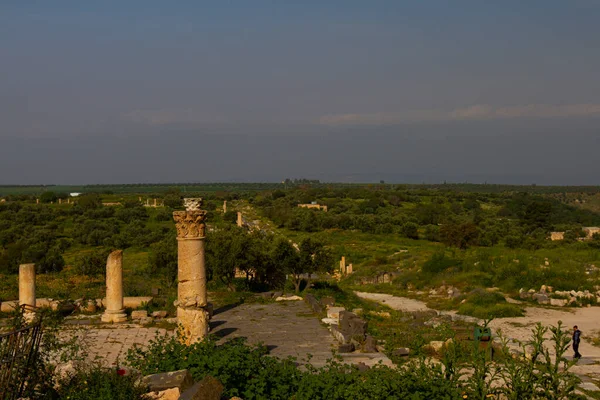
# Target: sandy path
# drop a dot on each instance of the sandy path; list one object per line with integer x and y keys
{"x": 587, "y": 319}
{"x": 394, "y": 302}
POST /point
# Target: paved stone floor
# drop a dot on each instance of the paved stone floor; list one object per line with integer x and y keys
{"x": 109, "y": 344}
{"x": 286, "y": 328}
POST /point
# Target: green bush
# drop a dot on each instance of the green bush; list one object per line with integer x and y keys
{"x": 465, "y": 371}
{"x": 438, "y": 263}
{"x": 96, "y": 383}
{"x": 485, "y": 305}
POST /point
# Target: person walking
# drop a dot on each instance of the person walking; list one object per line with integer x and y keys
{"x": 576, "y": 340}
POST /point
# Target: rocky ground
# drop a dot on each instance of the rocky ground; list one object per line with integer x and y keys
{"x": 519, "y": 328}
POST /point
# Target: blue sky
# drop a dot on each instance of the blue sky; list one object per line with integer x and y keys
{"x": 282, "y": 73}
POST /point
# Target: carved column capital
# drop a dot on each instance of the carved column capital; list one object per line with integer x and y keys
{"x": 190, "y": 224}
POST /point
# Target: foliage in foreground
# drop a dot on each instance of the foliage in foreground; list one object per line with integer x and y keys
{"x": 464, "y": 372}
{"x": 96, "y": 383}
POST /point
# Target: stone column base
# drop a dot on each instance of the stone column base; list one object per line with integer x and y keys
{"x": 114, "y": 316}
{"x": 193, "y": 324}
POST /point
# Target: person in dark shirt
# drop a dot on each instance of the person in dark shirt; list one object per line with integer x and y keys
{"x": 576, "y": 340}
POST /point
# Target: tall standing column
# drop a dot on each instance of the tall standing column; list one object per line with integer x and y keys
{"x": 192, "y": 313}
{"x": 27, "y": 284}
{"x": 115, "y": 312}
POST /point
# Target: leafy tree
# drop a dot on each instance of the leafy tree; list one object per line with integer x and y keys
{"x": 173, "y": 200}
{"x": 94, "y": 262}
{"x": 461, "y": 235}
{"x": 89, "y": 201}
{"x": 410, "y": 230}
{"x": 52, "y": 261}
{"x": 311, "y": 258}
{"x": 162, "y": 260}
{"x": 226, "y": 250}
{"x": 48, "y": 197}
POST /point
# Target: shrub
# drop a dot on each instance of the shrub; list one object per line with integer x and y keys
{"x": 485, "y": 305}
{"x": 438, "y": 263}
{"x": 94, "y": 262}
{"x": 96, "y": 383}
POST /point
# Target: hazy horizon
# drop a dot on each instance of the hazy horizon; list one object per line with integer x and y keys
{"x": 340, "y": 91}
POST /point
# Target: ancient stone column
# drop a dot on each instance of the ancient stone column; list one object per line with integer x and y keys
{"x": 27, "y": 284}
{"x": 154, "y": 202}
{"x": 224, "y": 206}
{"x": 192, "y": 313}
{"x": 240, "y": 221}
{"x": 115, "y": 312}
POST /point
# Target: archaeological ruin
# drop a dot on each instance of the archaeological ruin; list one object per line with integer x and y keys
{"x": 192, "y": 304}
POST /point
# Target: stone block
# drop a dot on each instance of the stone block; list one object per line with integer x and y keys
{"x": 8, "y": 306}
{"x": 156, "y": 291}
{"x": 139, "y": 314}
{"x": 346, "y": 348}
{"x": 541, "y": 298}
{"x": 168, "y": 394}
{"x": 288, "y": 298}
{"x": 341, "y": 337}
{"x": 159, "y": 314}
{"x": 313, "y": 303}
{"x": 88, "y": 306}
{"x": 134, "y": 302}
{"x": 401, "y": 352}
{"x": 193, "y": 324}
{"x": 181, "y": 379}
{"x": 351, "y": 324}
{"x": 330, "y": 321}
{"x": 266, "y": 295}
{"x": 277, "y": 294}
{"x": 370, "y": 345}
{"x": 146, "y": 320}
{"x": 558, "y": 302}
{"x": 334, "y": 312}
{"x": 208, "y": 388}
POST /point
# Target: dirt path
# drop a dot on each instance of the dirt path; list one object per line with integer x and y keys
{"x": 587, "y": 319}
{"x": 519, "y": 328}
{"x": 395, "y": 302}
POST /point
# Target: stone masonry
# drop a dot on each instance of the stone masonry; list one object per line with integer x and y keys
{"x": 192, "y": 313}
{"x": 27, "y": 284}
{"x": 115, "y": 311}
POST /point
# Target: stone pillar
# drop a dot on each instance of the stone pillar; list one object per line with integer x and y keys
{"x": 147, "y": 202}
{"x": 224, "y": 206}
{"x": 37, "y": 201}
{"x": 59, "y": 201}
{"x": 240, "y": 221}
{"x": 27, "y": 284}
{"x": 192, "y": 312}
{"x": 115, "y": 312}
{"x": 349, "y": 269}
{"x": 154, "y": 202}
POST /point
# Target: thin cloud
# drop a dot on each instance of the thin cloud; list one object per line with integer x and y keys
{"x": 160, "y": 117}
{"x": 475, "y": 112}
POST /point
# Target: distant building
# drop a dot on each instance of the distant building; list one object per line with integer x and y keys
{"x": 313, "y": 205}
{"x": 557, "y": 235}
{"x": 590, "y": 231}
{"x": 74, "y": 194}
